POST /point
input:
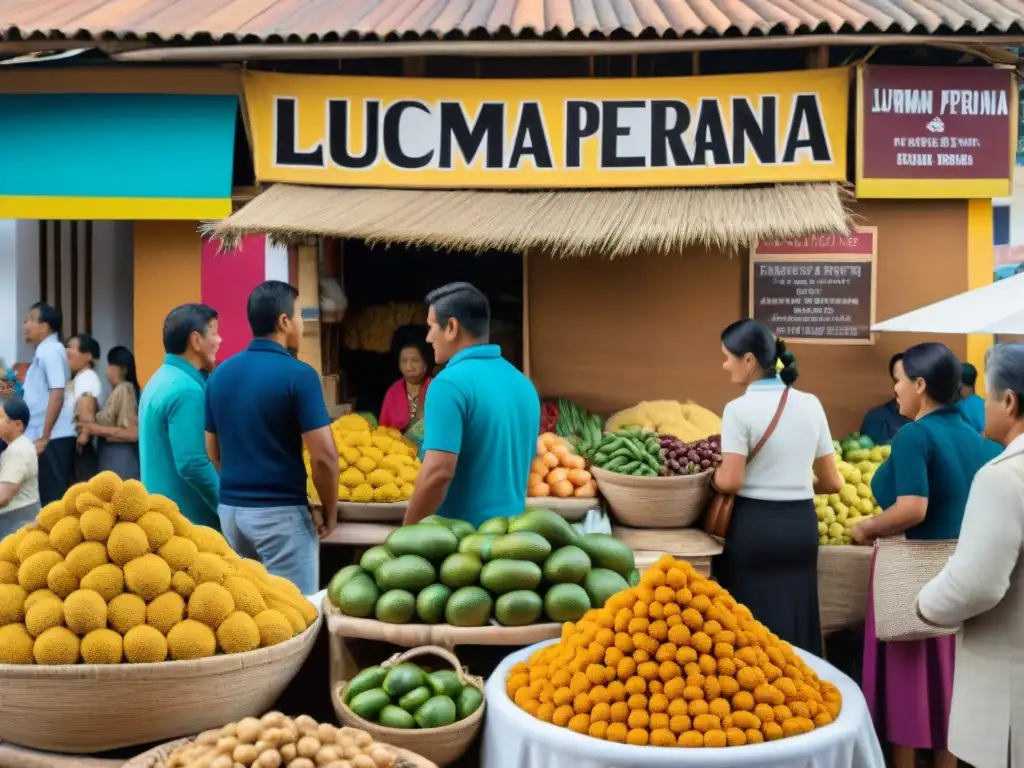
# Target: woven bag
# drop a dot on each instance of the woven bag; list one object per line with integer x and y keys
{"x": 902, "y": 568}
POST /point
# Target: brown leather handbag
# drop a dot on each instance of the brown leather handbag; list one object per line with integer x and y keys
{"x": 718, "y": 515}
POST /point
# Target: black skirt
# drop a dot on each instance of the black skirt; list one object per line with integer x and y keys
{"x": 770, "y": 564}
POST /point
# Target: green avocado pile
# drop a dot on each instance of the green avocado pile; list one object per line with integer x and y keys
{"x": 521, "y": 570}
{"x": 406, "y": 696}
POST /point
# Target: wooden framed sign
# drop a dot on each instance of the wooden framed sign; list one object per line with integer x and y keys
{"x": 817, "y": 290}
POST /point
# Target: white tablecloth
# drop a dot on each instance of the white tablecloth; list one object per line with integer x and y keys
{"x": 514, "y": 739}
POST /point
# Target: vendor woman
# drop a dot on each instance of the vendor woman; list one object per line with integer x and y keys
{"x": 770, "y": 559}
{"x": 403, "y": 402}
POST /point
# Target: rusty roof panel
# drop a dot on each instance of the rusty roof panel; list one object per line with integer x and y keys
{"x": 319, "y": 20}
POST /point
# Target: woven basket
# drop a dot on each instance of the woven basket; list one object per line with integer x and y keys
{"x": 91, "y": 708}
{"x": 158, "y": 757}
{"x": 844, "y": 573}
{"x": 902, "y": 568}
{"x": 442, "y": 745}
{"x": 655, "y": 502}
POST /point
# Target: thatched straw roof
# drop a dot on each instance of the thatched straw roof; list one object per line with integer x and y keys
{"x": 563, "y": 223}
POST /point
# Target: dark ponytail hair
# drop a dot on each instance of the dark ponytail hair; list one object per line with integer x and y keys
{"x": 750, "y": 336}
{"x": 939, "y": 368}
{"x": 123, "y": 358}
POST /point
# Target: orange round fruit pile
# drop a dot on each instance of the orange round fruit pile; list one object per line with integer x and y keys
{"x": 673, "y": 662}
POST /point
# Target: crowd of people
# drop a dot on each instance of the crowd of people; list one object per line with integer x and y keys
{"x": 225, "y": 442}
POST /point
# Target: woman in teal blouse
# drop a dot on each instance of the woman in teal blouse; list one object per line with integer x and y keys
{"x": 923, "y": 489}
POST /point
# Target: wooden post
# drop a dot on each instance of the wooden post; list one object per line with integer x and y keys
{"x": 526, "y": 315}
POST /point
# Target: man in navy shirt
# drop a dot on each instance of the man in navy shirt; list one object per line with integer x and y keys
{"x": 481, "y": 417}
{"x": 262, "y": 404}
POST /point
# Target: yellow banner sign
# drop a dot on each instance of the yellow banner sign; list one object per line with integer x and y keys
{"x": 586, "y": 133}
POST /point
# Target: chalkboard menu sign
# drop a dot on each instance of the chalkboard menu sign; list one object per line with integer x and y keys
{"x": 816, "y": 290}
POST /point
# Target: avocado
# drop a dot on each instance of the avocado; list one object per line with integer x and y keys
{"x": 516, "y": 609}
{"x": 460, "y": 570}
{"x": 431, "y": 541}
{"x": 566, "y": 602}
{"x": 340, "y": 579}
{"x": 396, "y": 606}
{"x": 567, "y": 565}
{"x": 500, "y": 576}
{"x": 430, "y": 603}
{"x": 374, "y": 558}
{"x": 468, "y": 607}
{"x": 608, "y": 552}
{"x": 600, "y": 584}
{"x": 525, "y": 545}
{"x": 552, "y": 526}
{"x": 410, "y": 572}
{"x": 358, "y": 596}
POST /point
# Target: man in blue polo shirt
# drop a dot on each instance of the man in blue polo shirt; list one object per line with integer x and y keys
{"x": 262, "y": 404}
{"x": 481, "y": 417}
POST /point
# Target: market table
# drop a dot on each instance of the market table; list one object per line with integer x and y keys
{"x": 849, "y": 742}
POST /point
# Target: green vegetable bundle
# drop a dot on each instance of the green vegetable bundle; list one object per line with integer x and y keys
{"x": 631, "y": 451}
{"x": 583, "y": 430}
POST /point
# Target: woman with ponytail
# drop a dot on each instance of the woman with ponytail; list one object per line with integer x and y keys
{"x": 770, "y": 559}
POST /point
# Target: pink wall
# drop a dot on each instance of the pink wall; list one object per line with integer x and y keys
{"x": 227, "y": 281}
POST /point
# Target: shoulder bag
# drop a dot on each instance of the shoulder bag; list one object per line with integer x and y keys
{"x": 718, "y": 516}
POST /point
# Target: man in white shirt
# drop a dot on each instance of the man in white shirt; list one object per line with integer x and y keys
{"x": 51, "y": 424}
{"x": 19, "y": 468}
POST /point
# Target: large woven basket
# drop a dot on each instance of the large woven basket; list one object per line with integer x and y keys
{"x": 844, "y": 573}
{"x": 91, "y": 708}
{"x": 442, "y": 745}
{"x": 655, "y": 502}
{"x": 158, "y": 757}
{"x": 902, "y": 568}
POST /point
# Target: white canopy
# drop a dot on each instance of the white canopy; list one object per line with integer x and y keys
{"x": 995, "y": 308}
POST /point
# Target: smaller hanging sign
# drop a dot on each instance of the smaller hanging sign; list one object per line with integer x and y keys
{"x": 818, "y": 289}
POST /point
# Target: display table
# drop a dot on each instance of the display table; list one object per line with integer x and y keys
{"x": 514, "y": 739}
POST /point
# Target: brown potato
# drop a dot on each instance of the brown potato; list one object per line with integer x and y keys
{"x": 222, "y": 761}
{"x": 288, "y": 752}
{"x": 302, "y": 762}
{"x": 383, "y": 757}
{"x": 226, "y": 745}
{"x": 245, "y": 754}
{"x": 308, "y": 746}
{"x": 327, "y": 755}
{"x": 269, "y": 759}
{"x": 249, "y": 730}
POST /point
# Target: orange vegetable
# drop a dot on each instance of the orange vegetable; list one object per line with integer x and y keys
{"x": 538, "y": 467}
{"x": 587, "y": 491}
{"x": 572, "y": 461}
{"x": 547, "y": 439}
{"x": 556, "y": 476}
{"x": 562, "y": 452}
{"x": 540, "y": 490}
{"x": 550, "y": 460}
{"x": 562, "y": 489}
{"x": 578, "y": 477}
{"x": 534, "y": 479}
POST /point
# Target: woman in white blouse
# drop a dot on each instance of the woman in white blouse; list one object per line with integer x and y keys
{"x": 770, "y": 559}
{"x": 981, "y": 589}
{"x": 82, "y": 397}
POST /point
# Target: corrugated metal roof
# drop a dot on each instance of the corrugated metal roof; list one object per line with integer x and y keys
{"x": 328, "y": 20}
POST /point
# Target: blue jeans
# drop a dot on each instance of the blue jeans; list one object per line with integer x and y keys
{"x": 13, "y": 519}
{"x": 282, "y": 538}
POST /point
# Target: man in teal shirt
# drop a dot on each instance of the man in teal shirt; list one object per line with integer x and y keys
{"x": 970, "y": 404}
{"x": 172, "y": 443}
{"x": 481, "y": 417}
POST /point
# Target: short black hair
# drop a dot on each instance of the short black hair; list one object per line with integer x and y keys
{"x": 892, "y": 364}
{"x": 969, "y": 375}
{"x": 49, "y": 315}
{"x": 182, "y": 322}
{"x": 267, "y": 302}
{"x": 17, "y": 410}
{"x": 754, "y": 337}
{"x": 465, "y": 303}
{"x": 938, "y": 366}
{"x": 87, "y": 343}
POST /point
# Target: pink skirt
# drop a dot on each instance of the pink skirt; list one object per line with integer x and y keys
{"x": 908, "y": 685}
